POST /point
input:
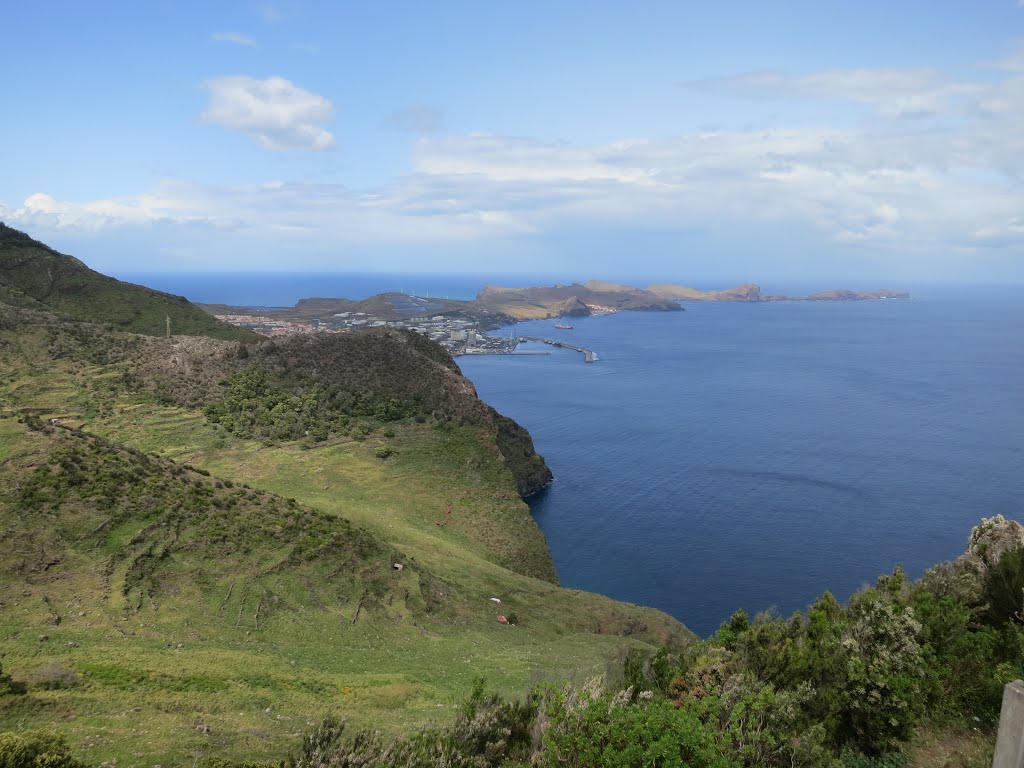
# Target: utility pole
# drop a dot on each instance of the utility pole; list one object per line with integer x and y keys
{"x": 168, "y": 326}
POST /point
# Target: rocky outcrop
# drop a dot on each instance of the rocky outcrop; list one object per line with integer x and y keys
{"x": 989, "y": 541}
{"x": 745, "y": 292}
{"x": 571, "y": 307}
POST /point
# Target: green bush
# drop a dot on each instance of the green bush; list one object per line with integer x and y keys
{"x": 1003, "y": 588}
{"x": 35, "y": 749}
{"x": 488, "y": 733}
{"x": 585, "y": 730}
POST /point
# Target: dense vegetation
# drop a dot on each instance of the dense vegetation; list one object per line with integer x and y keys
{"x": 34, "y": 276}
{"x": 147, "y": 522}
{"x": 253, "y": 408}
{"x": 315, "y": 387}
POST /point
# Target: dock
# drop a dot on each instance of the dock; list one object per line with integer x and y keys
{"x": 588, "y": 354}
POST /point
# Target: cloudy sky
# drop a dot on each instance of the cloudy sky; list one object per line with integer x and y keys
{"x": 683, "y": 140}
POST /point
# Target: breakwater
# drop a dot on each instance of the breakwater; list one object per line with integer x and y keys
{"x": 588, "y": 354}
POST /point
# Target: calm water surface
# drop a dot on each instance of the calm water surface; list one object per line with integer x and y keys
{"x": 753, "y": 456}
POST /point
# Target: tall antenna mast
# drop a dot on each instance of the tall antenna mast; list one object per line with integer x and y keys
{"x": 168, "y": 326}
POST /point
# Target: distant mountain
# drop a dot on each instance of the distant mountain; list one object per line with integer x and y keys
{"x": 498, "y": 305}
{"x": 595, "y": 297}
{"x": 751, "y": 292}
{"x": 35, "y": 276}
{"x": 575, "y": 299}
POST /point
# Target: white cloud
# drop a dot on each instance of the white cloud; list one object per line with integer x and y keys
{"x": 941, "y": 184}
{"x": 275, "y": 112}
{"x": 169, "y": 202}
{"x": 233, "y": 37}
{"x": 847, "y": 187}
{"x": 895, "y": 93}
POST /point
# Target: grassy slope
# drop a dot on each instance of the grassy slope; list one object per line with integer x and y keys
{"x": 34, "y": 276}
{"x": 143, "y": 699}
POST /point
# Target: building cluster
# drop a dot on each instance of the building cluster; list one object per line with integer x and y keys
{"x": 268, "y": 326}
{"x": 459, "y": 335}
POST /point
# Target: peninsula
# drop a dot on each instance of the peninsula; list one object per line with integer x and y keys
{"x": 461, "y": 326}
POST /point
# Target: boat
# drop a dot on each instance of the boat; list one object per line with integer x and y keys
{"x": 564, "y": 327}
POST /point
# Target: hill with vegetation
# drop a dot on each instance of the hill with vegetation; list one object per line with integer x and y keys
{"x": 34, "y": 276}
{"x": 206, "y": 545}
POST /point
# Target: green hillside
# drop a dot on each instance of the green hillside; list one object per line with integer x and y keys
{"x": 34, "y": 276}
{"x": 314, "y": 549}
{"x": 186, "y": 573}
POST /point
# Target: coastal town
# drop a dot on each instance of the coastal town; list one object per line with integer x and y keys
{"x": 459, "y": 335}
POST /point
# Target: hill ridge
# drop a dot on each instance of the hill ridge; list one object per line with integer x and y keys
{"x": 35, "y": 276}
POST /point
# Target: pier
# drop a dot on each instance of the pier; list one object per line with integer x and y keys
{"x": 588, "y": 354}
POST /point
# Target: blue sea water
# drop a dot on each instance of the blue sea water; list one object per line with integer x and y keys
{"x": 755, "y": 455}
{"x": 748, "y": 455}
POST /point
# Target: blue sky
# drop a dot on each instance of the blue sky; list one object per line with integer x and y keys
{"x": 694, "y": 141}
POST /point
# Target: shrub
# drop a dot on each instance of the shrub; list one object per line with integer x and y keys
{"x": 602, "y": 731}
{"x": 1003, "y": 588}
{"x": 488, "y": 733}
{"x": 35, "y": 749}
{"x": 884, "y": 667}
{"x": 53, "y": 676}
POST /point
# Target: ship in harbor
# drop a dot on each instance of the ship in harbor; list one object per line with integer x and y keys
{"x": 564, "y": 327}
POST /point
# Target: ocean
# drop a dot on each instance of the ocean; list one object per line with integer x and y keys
{"x": 750, "y": 455}
{"x": 756, "y": 455}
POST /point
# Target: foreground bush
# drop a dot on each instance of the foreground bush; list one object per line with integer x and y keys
{"x": 488, "y": 733}
{"x": 35, "y": 749}
{"x": 589, "y": 729}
